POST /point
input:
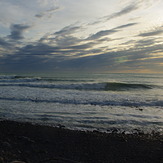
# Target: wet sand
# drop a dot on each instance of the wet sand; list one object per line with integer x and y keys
{"x": 43, "y": 144}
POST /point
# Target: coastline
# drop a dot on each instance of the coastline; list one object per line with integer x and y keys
{"x": 36, "y": 143}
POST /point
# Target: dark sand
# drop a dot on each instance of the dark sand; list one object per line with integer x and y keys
{"x": 42, "y": 144}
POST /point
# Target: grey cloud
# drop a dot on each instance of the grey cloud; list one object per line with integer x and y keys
{"x": 138, "y": 52}
{"x": 17, "y": 31}
{"x": 62, "y": 41}
{"x": 43, "y": 50}
{"x": 63, "y": 37}
{"x": 67, "y": 46}
{"x": 34, "y": 58}
{"x": 124, "y": 11}
{"x": 145, "y": 42}
{"x": 23, "y": 63}
{"x": 47, "y": 12}
{"x": 38, "y": 49}
{"x": 68, "y": 30}
{"x": 100, "y": 34}
{"x": 62, "y": 50}
{"x": 128, "y": 42}
{"x": 125, "y": 25}
{"x": 4, "y": 43}
{"x": 152, "y": 33}
{"x": 82, "y": 46}
{"x": 39, "y": 15}
{"x": 61, "y": 45}
{"x": 66, "y": 40}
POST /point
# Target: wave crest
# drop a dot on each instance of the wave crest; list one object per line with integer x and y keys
{"x": 83, "y": 86}
{"x": 77, "y": 84}
{"x": 125, "y": 86}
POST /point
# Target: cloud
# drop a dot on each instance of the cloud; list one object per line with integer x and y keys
{"x": 126, "y": 25}
{"x": 24, "y": 63}
{"x": 102, "y": 33}
{"x": 66, "y": 37}
{"x": 63, "y": 38}
{"x": 4, "y": 43}
{"x": 154, "y": 32}
{"x": 124, "y": 11}
{"x": 48, "y": 12}
{"x": 123, "y": 60}
{"x": 40, "y": 15}
{"x": 6, "y": 46}
{"x": 17, "y": 31}
{"x": 68, "y": 30}
{"x": 61, "y": 45}
{"x": 58, "y": 51}
{"x": 65, "y": 49}
{"x": 42, "y": 57}
{"x": 145, "y": 42}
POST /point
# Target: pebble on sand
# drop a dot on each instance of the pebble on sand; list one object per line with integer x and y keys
{"x": 17, "y": 162}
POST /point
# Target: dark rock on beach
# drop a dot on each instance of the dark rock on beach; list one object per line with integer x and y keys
{"x": 28, "y": 143}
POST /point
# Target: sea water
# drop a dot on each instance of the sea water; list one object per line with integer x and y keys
{"x": 105, "y": 102}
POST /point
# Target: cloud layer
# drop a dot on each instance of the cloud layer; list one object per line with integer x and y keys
{"x": 116, "y": 42}
{"x": 17, "y": 31}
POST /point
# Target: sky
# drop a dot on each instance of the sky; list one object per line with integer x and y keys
{"x": 116, "y": 36}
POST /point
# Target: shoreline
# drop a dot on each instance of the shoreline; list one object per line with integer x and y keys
{"x": 33, "y": 143}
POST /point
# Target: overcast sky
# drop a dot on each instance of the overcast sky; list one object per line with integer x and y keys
{"x": 87, "y": 35}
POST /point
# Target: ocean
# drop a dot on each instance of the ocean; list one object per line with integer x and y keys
{"x": 122, "y": 103}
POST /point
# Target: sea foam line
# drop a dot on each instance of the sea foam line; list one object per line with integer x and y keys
{"x": 87, "y": 102}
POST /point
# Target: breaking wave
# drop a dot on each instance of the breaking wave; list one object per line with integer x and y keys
{"x": 15, "y": 79}
{"x": 39, "y": 82}
{"x": 125, "y": 86}
{"x": 83, "y": 86}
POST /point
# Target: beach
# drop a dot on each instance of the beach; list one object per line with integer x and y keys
{"x": 103, "y": 118}
{"x": 33, "y": 143}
